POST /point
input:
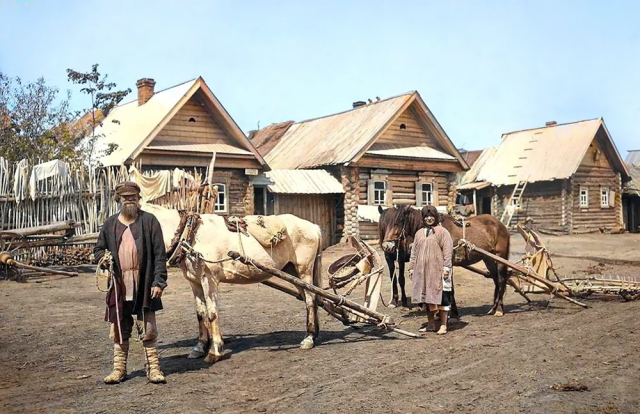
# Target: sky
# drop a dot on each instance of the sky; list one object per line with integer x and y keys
{"x": 483, "y": 67}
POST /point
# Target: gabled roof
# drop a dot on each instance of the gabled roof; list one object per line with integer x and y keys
{"x": 633, "y": 186}
{"x": 545, "y": 154}
{"x": 343, "y": 138}
{"x": 633, "y": 157}
{"x": 132, "y": 127}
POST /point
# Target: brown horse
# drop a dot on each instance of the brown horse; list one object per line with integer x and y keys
{"x": 398, "y": 225}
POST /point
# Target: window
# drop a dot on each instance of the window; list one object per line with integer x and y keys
{"x": 221, "y": 201}
{"x": 604, "y": 197}
{"x": 584, "y": 198}
{"x": 379, "y": 193}
{"x": 426, "y": 194}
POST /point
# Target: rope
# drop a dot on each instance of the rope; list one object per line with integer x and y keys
{"x": 106, "y": 257}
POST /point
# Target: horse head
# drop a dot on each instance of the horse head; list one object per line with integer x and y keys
{"x": 397, "y": 226}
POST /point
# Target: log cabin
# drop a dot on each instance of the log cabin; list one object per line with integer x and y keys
{"x": 182, "y": 127}
{"x": 567, "y": 178}
{"x": 631, "y": 193}
{"x": 383, "y": 153}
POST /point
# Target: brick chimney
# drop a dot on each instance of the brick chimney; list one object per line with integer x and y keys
{"x": 551, "y": 123}
{"x": 145, "y": 90}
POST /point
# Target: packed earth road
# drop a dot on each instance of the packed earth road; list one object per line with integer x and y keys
{"x": 546, "y": 357}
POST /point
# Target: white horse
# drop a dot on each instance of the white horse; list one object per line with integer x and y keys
{"x": 302, "y": 248}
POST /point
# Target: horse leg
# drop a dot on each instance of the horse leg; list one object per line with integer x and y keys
{"x": 401, "y": 281}
{"x": 503, "y": 277}
{"x": 493, "y": 271}
{"x": 392, "y": 269}
{"x": 212, "y": 319}
{"x": 313, "y": 325}
{"x": 202, "y": 346}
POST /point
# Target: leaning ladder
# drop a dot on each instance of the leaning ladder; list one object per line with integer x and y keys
{"x": 516, "y": 196}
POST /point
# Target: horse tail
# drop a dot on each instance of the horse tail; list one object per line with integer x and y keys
{"x": 317, "y": 264}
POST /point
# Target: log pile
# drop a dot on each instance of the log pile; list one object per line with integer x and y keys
{"x": 65, "y": 256}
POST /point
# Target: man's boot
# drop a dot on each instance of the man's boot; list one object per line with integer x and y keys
{"x": 153, "y": 365}
{"x": 120, "y": 353}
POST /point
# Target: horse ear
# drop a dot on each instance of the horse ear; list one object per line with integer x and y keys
{"x": 380, "y": 209}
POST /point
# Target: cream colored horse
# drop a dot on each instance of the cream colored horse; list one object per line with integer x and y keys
{"x": 301, "y": 248}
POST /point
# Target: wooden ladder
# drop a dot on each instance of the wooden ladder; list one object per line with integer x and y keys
{"x": 516, "y": 195}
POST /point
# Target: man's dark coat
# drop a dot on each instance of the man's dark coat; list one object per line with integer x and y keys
{"x": 152, "y": 257}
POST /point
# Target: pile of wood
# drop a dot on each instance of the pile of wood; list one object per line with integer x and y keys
{"x": 65, "y": 256}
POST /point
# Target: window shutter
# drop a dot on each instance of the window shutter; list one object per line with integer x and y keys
{"x": 370, "y": 192}
{"x": 612, "y": 198}
{"x": 435, "y": 199}
{"x": 418, "y": 193}
{"x": 388, "y": 193}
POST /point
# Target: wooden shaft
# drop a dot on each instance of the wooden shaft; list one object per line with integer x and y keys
{"x": 486, "y": 273}
{"x": 43, "y": 270}
{"x": 530, "y": 274}
{"x": 49, "y": 228}
{"x": 336, "y": 299}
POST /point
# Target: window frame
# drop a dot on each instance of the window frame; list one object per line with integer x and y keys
{"x": 423, "y": 192}
{"x": 376, "y": 191}
{"x": 586, "y": 197}
{"x": 605, "y": 192}
{"x": 223, "y": 184}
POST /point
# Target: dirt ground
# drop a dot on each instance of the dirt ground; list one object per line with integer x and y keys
{"x": 54, "y": 350}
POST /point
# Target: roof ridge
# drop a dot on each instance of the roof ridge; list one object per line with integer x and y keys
{"x": 355, "y": 109}
{"x": 550, "y": 126}
{"x": 157, "y": 92}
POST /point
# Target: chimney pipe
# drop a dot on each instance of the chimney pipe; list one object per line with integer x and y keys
{"x": 551, "y": 123}
{"x": 145, "y": 90}
{"x": 358, "y": 104}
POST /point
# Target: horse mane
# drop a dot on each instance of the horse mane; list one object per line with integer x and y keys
{"x": 403, "y": 216}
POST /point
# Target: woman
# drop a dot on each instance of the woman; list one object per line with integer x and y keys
{"x": 431, "y": 271}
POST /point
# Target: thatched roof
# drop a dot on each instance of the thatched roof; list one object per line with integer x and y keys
{"x": 265, "y": 139}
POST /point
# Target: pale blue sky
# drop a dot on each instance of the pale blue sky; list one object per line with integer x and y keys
{"x": 483, "y": 67}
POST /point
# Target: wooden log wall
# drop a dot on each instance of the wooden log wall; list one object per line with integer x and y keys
{"x": 541, "y": 201}
{"x": 401, "y": 189}
{"x": 595, "y": 216}
{"x": 402, "y": 186}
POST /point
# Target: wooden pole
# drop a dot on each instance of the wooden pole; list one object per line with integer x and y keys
{"x": 511, "y": 283}
{"x": 529, "y": 273}
{"x": 337, "y": 300}
{"x": 50, "y": 228}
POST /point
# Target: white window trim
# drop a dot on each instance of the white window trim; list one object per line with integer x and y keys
{"x": 382, "y": 202}
{"x": 586, "y": 193}
{"x": 605, "y": 192}
{"x": 225, "y": 192}
{"x": 429, "y": 193}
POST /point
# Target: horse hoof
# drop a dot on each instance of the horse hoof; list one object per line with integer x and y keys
{"x": 499, "y": 313}
{"x": 391, "y": 305}
{"x": 307, "y": 343}
{"x": 195, "y": 354}
{"x": 213, "y": 358}
{"x": 491, "y": 312}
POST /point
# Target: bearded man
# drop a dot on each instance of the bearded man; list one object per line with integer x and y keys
{"x": 138, "y": 259}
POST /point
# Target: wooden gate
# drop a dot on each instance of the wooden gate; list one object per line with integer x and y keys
{"x": 319, "y": 209}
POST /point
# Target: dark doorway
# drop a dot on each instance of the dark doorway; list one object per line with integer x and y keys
{"x": 485, "y": 205}
{"x": 260, "y": 201}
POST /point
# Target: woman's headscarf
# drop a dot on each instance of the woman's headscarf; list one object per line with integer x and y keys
{"x": 431, "y": 211}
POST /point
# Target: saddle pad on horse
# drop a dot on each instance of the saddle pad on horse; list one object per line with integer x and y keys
{"x": 268, "y": 230}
